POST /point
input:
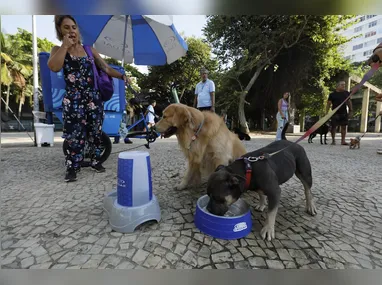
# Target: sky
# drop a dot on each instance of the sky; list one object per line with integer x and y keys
{"x": 190, "y": 25}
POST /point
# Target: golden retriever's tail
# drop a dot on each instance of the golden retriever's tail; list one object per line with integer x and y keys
{"x": 283, "y": 137}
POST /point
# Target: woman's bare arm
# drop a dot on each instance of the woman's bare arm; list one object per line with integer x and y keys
{"x": 56, "y": 59}
{"x": 57, "y": 55}
{"x": 279, "y": 107}
{"x": 101, "y": 64}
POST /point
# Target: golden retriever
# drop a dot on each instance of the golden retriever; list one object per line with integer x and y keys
{"x": 204, "y": 139}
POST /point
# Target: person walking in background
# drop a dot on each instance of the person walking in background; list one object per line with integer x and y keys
{"x": 341, "y": 117}
{"x": 282, "y": 114}
{"x": 150, "y": 114}
{"x": 205, "y": 93}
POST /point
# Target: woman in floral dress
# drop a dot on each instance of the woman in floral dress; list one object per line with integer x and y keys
{"x": 82, "y": 105}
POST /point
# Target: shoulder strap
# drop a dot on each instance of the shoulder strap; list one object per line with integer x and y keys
{"x": 89, "y": 52}
{"x": 68, "y": 57}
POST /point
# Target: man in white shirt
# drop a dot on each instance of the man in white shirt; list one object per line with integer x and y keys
{"x": 205, "y": 93}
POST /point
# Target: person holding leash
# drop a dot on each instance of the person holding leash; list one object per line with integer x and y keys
{"x": 341, "y": 117}
{"x": 282, "y": 114}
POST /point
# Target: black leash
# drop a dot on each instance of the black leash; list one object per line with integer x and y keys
{"x": 128, "y": 149}
{"x": 369, "y": 123}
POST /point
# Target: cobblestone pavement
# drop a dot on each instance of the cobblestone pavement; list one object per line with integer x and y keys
{"x": 47, "y": 223}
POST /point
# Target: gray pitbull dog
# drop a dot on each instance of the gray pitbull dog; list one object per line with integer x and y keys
{"x": 227, "y": 183}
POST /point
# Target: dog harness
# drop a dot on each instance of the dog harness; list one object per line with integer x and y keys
{"x": 248, "y": 168}
{"x": 195, "y": 136}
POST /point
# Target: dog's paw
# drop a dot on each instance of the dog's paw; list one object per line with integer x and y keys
{"x": 268, "y": 232}
{"x": 259, "y": 207}
{"x": 311, "y": 209}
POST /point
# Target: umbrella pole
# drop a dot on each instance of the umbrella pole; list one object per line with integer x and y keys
{"x": 124, "y": 41}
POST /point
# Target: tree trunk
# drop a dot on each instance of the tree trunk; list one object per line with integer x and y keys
{"x": 292, "y": 111}
{"x": 20, "y": 106}
{"x": 7, "y": 99}
{"x": 21, "y": 103}
{"x": 302, "y": 121}
{"x": 181, "y": 94}
{"x": 241, "y": 112}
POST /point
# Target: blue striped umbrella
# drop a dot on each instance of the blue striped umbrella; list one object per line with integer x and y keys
{"x": 138, "y": 39}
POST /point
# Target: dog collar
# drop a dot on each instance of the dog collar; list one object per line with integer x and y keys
{"x": 248, "y": 168}
{"x": 248, "y": 172}
{"x": 195, "y": 136}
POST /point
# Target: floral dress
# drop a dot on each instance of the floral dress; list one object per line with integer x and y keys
{"x": 82, "y": 110}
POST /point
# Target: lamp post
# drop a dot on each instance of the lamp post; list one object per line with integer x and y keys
{"x": 35, "y": 74}
{"x": 35, "y": 68}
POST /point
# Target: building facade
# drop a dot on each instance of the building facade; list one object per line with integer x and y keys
{"x": 369, "y": 34}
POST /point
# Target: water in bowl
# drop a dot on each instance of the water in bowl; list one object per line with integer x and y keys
{"x": 229, "y": 213}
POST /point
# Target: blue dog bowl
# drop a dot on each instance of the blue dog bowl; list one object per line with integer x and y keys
{"x": 236, "y": 224}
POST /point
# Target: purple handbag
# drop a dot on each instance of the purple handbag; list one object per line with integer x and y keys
{"x": 102, "y": 81}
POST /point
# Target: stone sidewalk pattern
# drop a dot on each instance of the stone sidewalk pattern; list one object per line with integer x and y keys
{"x": 47, "y": 223}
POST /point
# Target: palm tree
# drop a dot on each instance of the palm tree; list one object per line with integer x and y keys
{"x": 6, "y": 78}
{"x": 17, "y": 66}
{"x": 2, "y": 41}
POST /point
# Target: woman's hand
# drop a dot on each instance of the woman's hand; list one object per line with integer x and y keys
{"x": 67, "y": 42}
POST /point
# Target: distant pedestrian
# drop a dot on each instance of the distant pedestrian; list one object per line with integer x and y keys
{"x": 282, "y": 114}
{"x": 205, "y": 93}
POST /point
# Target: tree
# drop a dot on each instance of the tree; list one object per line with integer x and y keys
{"x": 131, "y": 71}
{"x": 44, "y": 45}
{"x": 324, "y": 63}
{"x": 17, "y": 66}
{"x": 252, "y": 45}
{"x": 360, "y": 68}
{"x": 377, "y": 79}
{"x": 185, "y": 72}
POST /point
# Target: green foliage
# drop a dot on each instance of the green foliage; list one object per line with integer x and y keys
{"x": 360, "y": 68}
{"x": 295, "y": 53}
{"x": 185, "y": 72}
{"x": 377, "y": 79}
{"x": 131, "y": 71}
{"x": 17, "y": 64}
{"x": 254, "y": 39}
{"x": 327, "y": 64}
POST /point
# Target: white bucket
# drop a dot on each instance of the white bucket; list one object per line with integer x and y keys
{"x": 44, "y": 134}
